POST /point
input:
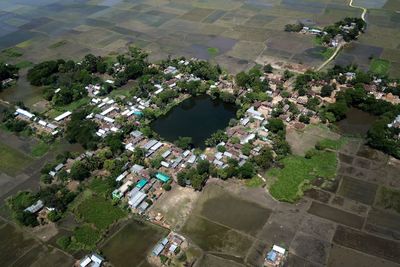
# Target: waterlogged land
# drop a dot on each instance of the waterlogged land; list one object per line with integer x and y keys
{"x": 131, "y": 245}
{"x": 233, "y": 33}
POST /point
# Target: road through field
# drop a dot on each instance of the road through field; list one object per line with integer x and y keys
{"x": 340, "y": 46}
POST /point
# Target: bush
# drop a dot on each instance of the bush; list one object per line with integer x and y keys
{"x": 64, "y": 242}
{"x": 167, "y": 187}
{"x": 54, "y": 216}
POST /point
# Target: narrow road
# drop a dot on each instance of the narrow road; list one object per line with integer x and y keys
{"x": 359, "y": 7}
{"x": 340, "y": 46}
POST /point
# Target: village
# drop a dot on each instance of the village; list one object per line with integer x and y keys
{"x": 141, "y": 184}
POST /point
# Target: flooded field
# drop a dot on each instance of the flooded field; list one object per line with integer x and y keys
{"x": 235, "y": 213}
{"x": 240, "y": 31}
{"x": 225, "y": 225}
{"x": 130, "y": 246}
{"x": 18, "y": 249}
{"x": 336, "y": 215}
{"x": 368, "y": 243}
{"x": 22, "y": 91}
{"x": 357, "y": 122}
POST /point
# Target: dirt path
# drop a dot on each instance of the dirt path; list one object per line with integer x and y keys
{"x": 340, "y": 46}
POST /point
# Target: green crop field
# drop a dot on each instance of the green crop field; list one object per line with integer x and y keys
{"x": 380, "y": 66}
{"x": 99, "y": 212}
{"x": 12, "y": 161}
{"x": 297, "y": 171}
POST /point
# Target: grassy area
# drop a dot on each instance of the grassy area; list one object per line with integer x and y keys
{"x": 11, "y": 160}
{"x": 256, "y": 181}
{"x": 379, "y": 66}
{"x": 328, "y": 52}
{"x": 298, "y": 171}
{"x": 24, "y": 64}
{"x": 52, "y": 113}
{"x": 11, "y": 52}
{"x": 99, "y": 211}
{"x": 86, "y": 237}
{"x": 317, "y": 41}
{"x": 58, "y": 44}
{"x": 389, "y": 198}
{"x": 213, "y": 51}
{"x": 100, "y": 187}
{"x": 330, "y": 144}
{"x": 40, "y": 149}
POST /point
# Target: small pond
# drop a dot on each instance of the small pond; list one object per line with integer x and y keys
{"x": 357, "y": 122}
{"x": 197, "y": 117}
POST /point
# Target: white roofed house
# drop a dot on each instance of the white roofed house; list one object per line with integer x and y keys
{"x": 37, "y": 206}
{"x": 63, "y": 116}
{"x": 24, "y": 114}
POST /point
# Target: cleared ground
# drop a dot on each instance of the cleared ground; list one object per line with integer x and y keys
{"x": 302, "y": 141}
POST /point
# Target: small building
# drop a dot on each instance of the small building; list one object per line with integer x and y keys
{"x": 63, "y": 116}
{"x": 137, "y": 168}
{"x": 24, "y": 113}
{"x": 141, "y": 183}
{"x": 35, "y": 207}
{"x": 162, "y": 177}
{"x": 158, "y": 249}
{"x": 275, "y": 257}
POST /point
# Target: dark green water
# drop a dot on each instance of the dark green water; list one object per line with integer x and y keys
{"x": 196, "y": 117}
{"x": 357, "y": 122}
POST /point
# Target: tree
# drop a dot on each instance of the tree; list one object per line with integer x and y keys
{"x": 184, "y": 142}
{"x": 265, "y": 159}
{"x": 156, "y": 162}
{"x": 197, "y": 181}
{"x": 246, "y": 171}
{"x": 246, "y": 149}
{"x": 221, "y": 149}
{"x": 304, "y": 119}
{"x": 114, "y": 141}
{"x": 41, "y": 74}
{"x": 54, "y": 216}
{"x": 326, "y": 90}
{"x": 203, "y": 167}
{"x": 46, "y": 178}
{"x": 275, "y": 125}
{"x": 138, "y": 156}
{"x": 242, "y": 79}
{"x": 167, "y": 187}
{"x": 80, "y": 130}
{"x": 268, "y": 68}
{"x": 27, "y": 219}
{"x": 338, "y": 109}
{"x": 182, "y": 177}
{"x": 79, "y": 171}
{"x": 216, "y": 138}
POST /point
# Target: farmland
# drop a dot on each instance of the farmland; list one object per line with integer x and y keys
{"x": 12, "y": 160}
{"x": 233, "y": 33}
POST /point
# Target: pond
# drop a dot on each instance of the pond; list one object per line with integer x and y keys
{"x": 197, "y": 117}
{"x": 357, "y": 122}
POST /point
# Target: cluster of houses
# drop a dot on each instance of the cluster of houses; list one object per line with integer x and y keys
{"x": 169, "y": 246}
{"x": 91, "y": 260}
{"x": 40, "y": 125}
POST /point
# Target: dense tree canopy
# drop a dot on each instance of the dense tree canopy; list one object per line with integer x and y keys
{"x": 81, "y": 130}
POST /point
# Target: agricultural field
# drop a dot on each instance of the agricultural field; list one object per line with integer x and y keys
{"x": 12, "y": 161}
{"x": 135, "y": 240}
{"x": 99, "y": 212}
{"x": 378, "y": 49}
{"x": 298, "y": 172}
{"x": 233, "y": 33}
